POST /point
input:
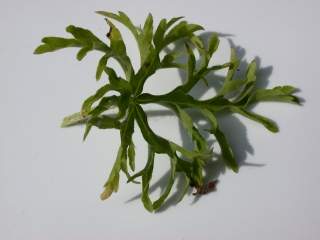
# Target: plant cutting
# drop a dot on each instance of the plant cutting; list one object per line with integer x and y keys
{"x": 234, "y": 96}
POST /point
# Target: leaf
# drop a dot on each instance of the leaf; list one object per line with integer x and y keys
{"x": 116, "y": 43}
{"x": 185, "y": 188}
{"x": 213, "y": 44}
{"x": 132, "y": 154}
{"x": 191, "y": 64}
{"x": 231, "y": 86}
{"x": 203, "y": 54}
{"x": 119, "y": 85}
{"x": 101, "y": 122}
{"x": 134, "y": 176}
{"x": 83, "y": 52}
{"x": 101, "y": 65}
{"x": 197, "y": 172}
{"x": 146, "y": 177}
{"x": 159, "y": 144}
{"x": 183, "y": 100}
{"x": 127, "y": 129}
{"x": 52, "y": 44}
{"x": 227, "y": 154}
{"x": 87, "y": 104}
{"x": 168, "y": 61}
{"x": 173, "y": 162}
{"x": 123, "y": 104}
{"x": 122, "y": 85}
{"x": 269, "y": 124}
{"x": 112, "y": 183}
{"x": 181, "y": 30}
{"x": 73, "y": 119}
{"x": 280, "y": 93}
{"x": 122, "y": 18}
{"x": 159, "y": 33}
{"x": 201, "y": 74}
{"x": 87, "y": 38}
{"x": 124, "y": 164}
{"x": 250, "y": 81}
{"x": 145, "y": 39}
{"x": 104, "y": 122}
{"x": 86, "y": 131}
{"x": 119, "y": 50}
{"x": 234, "y": 65}
{"x": 173, "y": 21}
{"x": 187, "y": 122}
{"x": 177, "y": 97}
{"x": 104, "y": 104}
{"x": 161, "y": 30}
{"x": 149, "y": 67}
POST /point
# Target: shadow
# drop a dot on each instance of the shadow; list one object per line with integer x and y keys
{"x": 233, "y": 128}
{"x": 159, "y": 184}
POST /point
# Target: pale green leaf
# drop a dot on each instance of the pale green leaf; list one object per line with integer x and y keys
{"x": 73, "y": 119}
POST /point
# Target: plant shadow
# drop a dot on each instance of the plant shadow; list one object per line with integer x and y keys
{"x": 234, "y": 130}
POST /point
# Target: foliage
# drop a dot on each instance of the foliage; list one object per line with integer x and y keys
{"x": 235, "y": 96}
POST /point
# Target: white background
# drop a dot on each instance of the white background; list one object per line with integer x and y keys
{"x": 50, "y": 180}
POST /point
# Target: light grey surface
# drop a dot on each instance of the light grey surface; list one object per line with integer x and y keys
{"x": 50, "y": 181}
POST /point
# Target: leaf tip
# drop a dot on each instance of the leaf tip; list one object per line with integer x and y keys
{"x": 70, "y": 28}
{"x": 43, "y": 48}
{"x": 235, "y": 169}
{"x": 106, "y": 193}
{"x": 36, "y": 51}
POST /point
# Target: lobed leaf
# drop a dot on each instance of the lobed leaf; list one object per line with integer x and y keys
{"x": 87, "y": 38}
{"x": 51, "y": 44}
{"x": 250, "y": 81}
{"x": 190, "y": 163}
{"x": 280, "y": 93}
{"x": 161, "y": 30}
{"x": 180, "y": 31}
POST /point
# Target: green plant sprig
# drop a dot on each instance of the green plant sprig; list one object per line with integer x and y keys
{"x": 129, "y": 103}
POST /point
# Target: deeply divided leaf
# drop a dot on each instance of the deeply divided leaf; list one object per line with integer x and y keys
{"x": 192, "y": 54}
